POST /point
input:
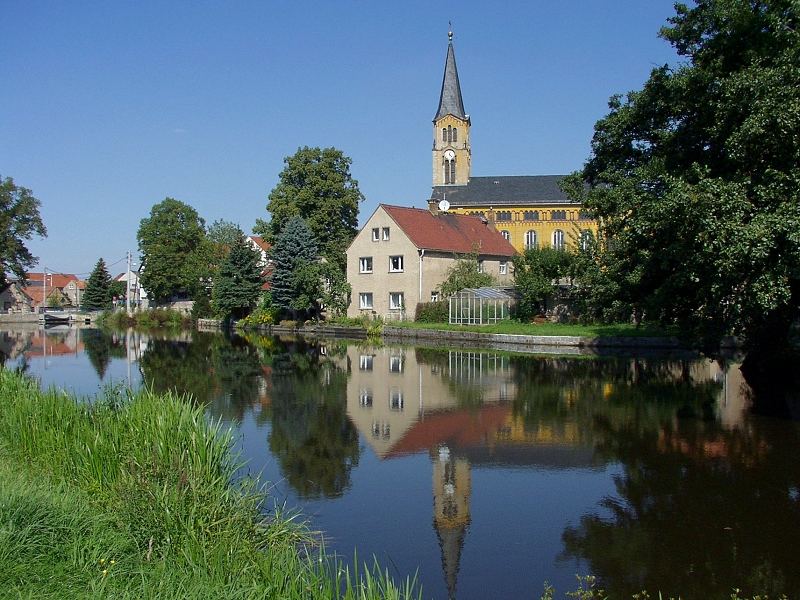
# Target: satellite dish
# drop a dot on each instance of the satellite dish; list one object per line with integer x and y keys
{"x": 444, "y": 206}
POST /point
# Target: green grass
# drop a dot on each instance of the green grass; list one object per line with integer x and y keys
{"x": 146, "y": 482}
{"x": 549, "y": 329}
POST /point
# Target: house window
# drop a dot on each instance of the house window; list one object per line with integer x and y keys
{"x": 385, "y": 234}
{"x": 480, "y": 266}
{"x": 558, "y": 239}
{"x": 506, "y": 235}
{"x": 396, "y": 364}
{"x": 376, "y": 232}
{"x": 558, "y": 215}
{"x": 434, "y": 296}
{"x": 365, "y": 398}
{"x": 396, "y": 264}
{"x": 365, "y": 264}
{"x": 396, "y": 400}
{"x": 365, "y": 362}
{"x": 380, "y": 430}
{"x": 396, "y": 301}
{"x": 583, "y": 215}
{"x": 503, "y": 267}
{"x": 531, "y": 215}
{"x": 503, "y": 215}
{"x": 365, "y": 300}
{"x": 530, "y": 239}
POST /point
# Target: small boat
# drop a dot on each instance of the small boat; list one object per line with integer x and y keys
{"x": 55, "y": 319}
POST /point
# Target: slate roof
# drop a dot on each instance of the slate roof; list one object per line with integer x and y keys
{"x": 449, "y": 232}
{"x": 450, "y": 102}
{"x": 504, "y": 190}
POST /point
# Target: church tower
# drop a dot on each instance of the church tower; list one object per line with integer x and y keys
{"x": 451, "y": 150}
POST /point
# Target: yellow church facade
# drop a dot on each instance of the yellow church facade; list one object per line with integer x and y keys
{"x": 528, "y": 210}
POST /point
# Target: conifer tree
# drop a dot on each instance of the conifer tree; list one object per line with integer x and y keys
{"x": 295, "y": 257}
{"x": 98, "y": 289}
{"x": 237, "y": 286}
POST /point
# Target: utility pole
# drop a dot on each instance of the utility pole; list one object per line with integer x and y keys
{"x": 128, "y": 287}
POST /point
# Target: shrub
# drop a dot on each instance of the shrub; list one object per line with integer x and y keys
{"x": 433, "y": 312}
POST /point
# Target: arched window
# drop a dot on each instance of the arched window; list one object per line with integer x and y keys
{"x": 452, "y": 171}
{"x": 586, "y": 239}
{"x": 506, "y": 235}
{"x": 531, "y": 215}
{"x": 444, "y": 134}
{"x": 558, "y": 239}
{"x": 449, "y": 134}
{"x": 530, "y": 239}
{"x": 455, "y": 134}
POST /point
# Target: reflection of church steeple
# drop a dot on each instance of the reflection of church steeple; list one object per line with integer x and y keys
{"x": 451, "y": 491}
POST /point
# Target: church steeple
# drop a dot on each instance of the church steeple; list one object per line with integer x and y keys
{"x": 450, "y": 101}
{"x": 452, "y": 155}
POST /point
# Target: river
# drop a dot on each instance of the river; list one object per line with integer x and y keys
{"x": 486, "y": 473}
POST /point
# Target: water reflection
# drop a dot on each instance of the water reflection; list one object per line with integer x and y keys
{"x": 646, "y": 472}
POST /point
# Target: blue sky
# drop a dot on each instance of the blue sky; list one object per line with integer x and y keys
{"x": 109, "y": 107}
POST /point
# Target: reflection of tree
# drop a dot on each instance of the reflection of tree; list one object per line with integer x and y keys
{"x": 696, "y": 513}
{"x": 181, "y": 366}
{"x": 311, "y": 436}
{"x": 239, "y": 377}
{"x": 101, "y": 346}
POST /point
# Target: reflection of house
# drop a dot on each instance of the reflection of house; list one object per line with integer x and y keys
{"x": 402, "y": 256}
{"x": 14, "y": 299}
{"x": 529, "y": 211}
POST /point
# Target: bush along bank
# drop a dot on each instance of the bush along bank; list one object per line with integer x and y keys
{"x": 133, "y": 496}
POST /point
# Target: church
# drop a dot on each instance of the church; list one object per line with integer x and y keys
{"x": 528, "y": 210}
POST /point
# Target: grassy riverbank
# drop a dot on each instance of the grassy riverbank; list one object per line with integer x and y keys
{"x": 547, "y": 329}
{"x": 132, "y": 497}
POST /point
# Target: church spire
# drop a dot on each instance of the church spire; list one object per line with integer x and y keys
{"x": 450, "y": 102}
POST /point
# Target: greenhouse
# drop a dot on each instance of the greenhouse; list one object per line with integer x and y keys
{"x": 480, "y": 306}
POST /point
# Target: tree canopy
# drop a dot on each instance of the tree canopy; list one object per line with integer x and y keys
{"x": 695, "y": 178}
{"x": 171, "y": 245}
{"x": 465, "y": 272}
{"x": 19, "y": 221}
{"x": 295, "y": 283}
{"x": 536, "y": 272}
{"x": 237, "y": 285}
{"x": 317, "y": 186}
{"x": 98, "y": 288}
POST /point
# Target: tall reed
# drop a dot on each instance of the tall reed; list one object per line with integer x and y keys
{"x": 152, "y": 485}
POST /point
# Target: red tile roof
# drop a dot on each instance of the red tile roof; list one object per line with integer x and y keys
{"x": 449, "y": 232}
{"x": 57, "y": 280}
{"x": 260, "y": 242}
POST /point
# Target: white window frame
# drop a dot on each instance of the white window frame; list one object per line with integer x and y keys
{"x": 434, "y": 296}
{"x": 365, "y": 264}
{"x": 365, "y": 362}
{"x": 480, "y": 266}
{"x": 385, "y": 234}
{"x": 531, "y": 239}
{"x": 397, "y": 301}
{"x": 400, "y": 265}
{"x": 506, "y": 235}
{"x": 558, "y": 239}
{"x": 395, "y": 364}
{"x": 376, "y": 234}
{"x": 396, "y": 400}
{"x": 365, "y": 301}
{"x": 365, "y": 398}
{"x": 503, "y": 267}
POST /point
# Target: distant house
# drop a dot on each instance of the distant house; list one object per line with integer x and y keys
{"x": 13, "y": 298}
{"x": 262, "y": 247}
{"x": 138, "y": 293}
{"x": 402, "y": 256}
{"x": 53, "y": 289}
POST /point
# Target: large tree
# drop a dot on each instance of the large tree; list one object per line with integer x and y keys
{"x": 19, "y": 221}
{"x": 536, "y": 275}
{"x": 317, "y": 186}
{"x": 695, "y": 178}
{"x": 171, "y": 243}
{"x": 296, "y": 284}
{"x": 98, "y": 288}
{"x": 237, "y": 285}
